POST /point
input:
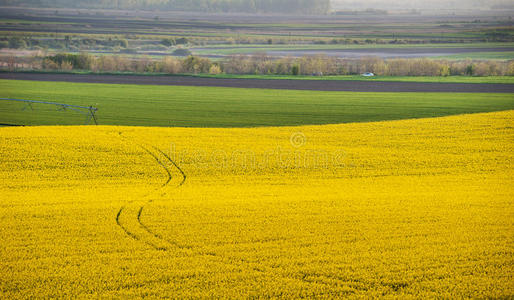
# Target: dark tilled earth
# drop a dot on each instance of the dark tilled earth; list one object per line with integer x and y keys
{"x": 314, "y": 85}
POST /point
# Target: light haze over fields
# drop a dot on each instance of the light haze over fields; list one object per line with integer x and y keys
{"x": 422, "y": 4}
{"x": 267, "y": 6}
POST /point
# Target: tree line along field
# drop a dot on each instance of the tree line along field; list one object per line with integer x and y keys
{"x": 261, "y": 64}
{"x": 136, "y": 105}
{"x": 408, "y": 209}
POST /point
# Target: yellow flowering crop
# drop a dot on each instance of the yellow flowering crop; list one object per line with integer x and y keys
{"x": 406, "y": 209}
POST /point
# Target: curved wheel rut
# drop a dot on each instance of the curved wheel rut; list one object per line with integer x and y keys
{"x": 133, "y": 226}
{"x": 129, "y": 215}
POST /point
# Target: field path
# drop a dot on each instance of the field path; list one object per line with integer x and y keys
{"x": 129, "y": 219}
{"x": 281, "y": 84}
{"x": 129, "y": 215}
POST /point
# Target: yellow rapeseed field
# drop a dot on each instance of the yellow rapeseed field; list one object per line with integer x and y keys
{"x": 406, "y": 209}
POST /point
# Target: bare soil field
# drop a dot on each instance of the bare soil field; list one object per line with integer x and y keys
{"x": 315, "y": 85}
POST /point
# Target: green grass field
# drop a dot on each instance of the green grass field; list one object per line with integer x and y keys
{"x": 359, "y": 46}
{"x": 249, "y": 49}
{"x": 507, "y": 55}
{"x": 229, "y": 107}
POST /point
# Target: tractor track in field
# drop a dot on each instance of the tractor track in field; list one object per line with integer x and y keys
{"x": 140, "y": 205}
{"x": 255, "y": 266}
{"x": 140, "y": 211}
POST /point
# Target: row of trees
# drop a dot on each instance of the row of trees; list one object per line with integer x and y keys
{"x": 249, "y": 6}
{"x": 317, "y": 65}
{"x": 262, "y": 64}
{"x": 168, "y": 65}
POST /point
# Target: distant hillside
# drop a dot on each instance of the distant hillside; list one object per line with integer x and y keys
{"x": 248, "y": 6}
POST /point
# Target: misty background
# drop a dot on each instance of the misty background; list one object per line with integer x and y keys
{"x": 268, "y": 6}
{"x": 423, "y": 4}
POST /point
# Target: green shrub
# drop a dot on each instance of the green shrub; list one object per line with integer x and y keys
{"x": 81, "y": 61}
{"x": 181, "y": 41}
{"x": 17, "y": 43}
{"x": 168, "y": 42}
{"x": 182, "y": 52}
{"x": 470, "y": 70}
{"x": 295, "y": 70}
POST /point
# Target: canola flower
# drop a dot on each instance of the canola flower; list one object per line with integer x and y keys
{"x": 406, "y": 209}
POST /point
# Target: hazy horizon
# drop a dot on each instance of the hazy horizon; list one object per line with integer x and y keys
{"x": 420, "y": 4}
{"x": 265, "y": 6}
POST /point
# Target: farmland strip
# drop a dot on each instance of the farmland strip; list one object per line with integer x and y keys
{"x": 281, "y": 84}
